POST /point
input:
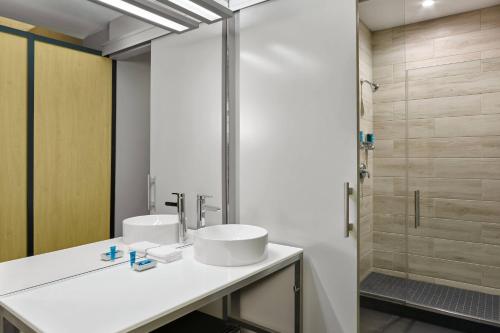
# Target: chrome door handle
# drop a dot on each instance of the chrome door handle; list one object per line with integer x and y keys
{"x": 348, "y": 226}
{"x": 151, "y": 202}
{"x": 417, "y": 209}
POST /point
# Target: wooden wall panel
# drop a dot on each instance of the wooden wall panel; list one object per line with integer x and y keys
{"x": 72, "y": 158}
{"x": 13, "y": 149}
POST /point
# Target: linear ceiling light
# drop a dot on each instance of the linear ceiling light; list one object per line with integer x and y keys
{"x": 215, "y": 7}
{"x": 190, "y": 8}
{"x": 143, "y": 14}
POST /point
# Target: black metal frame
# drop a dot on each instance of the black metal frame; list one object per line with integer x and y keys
{"x": 31, "y": 39}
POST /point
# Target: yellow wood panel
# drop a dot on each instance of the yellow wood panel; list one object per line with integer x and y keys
{"x": 73, "y": 116}
{"x": 13, "y": 151}
{"x": 5, "y": 21}
{"x": 41, "y": 31}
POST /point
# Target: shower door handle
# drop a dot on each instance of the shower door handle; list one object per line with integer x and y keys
{"x": 348, "y": 226}
{"x": 417, "y": 209}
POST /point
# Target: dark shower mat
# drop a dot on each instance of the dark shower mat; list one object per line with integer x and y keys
{"x": 461, "y": 301}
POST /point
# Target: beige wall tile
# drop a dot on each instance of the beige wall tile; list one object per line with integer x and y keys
{"x": 490, "y": 17}
{"x": 382, "y": 37}
{"x": 491, "y": 190}
{"x": 475, "y": 253}
{"x": 393, "y": 92}
{"x": 419, "y": 51}
{"x": 423, "y": 246}
{"x": 389, "y": 167}
{"x": 392, "y": 186}
{"x": 490, "y": 103}
{"x": 365, "y": 265}
{"x": 484, "y": 125}
{"x": 388, "y": 242}
{"x": 389, "y": 205}
{"x": 389, "y": 223}
{"x": 468, "y": 67}
{"x": 390, "y": 272}
{"x": 457, "y": 85}
{"x": 388, "y": 54}
{"x": 383, "y": 74}
{"x": 421, "y": 167}
{"x": 447, "y": 229}
{"x": 390, "y": 129}
{"x": 449, "y": 60}
{"x": 481, "y": 211}
{"x": 443, "y": 27}
{"x": 447, "y": 188}
{"x": 421, "y": 128}
{"x": 467, "y": 43}
{"x": 443, "y": 147}
{"x": 383, "y": 259}
{"x": 389, "y": 111}
{"x": 490, "y": 65}
{"x": 390, "y": 148}
{"x": 490, "y": 233}
{"x": 491, "y": 277}
{"x": 445, "y": 269}
{"x": 472, "y": 168}
{"x": 468, "y": 105}
{"x": 490, "y": 54}
{"x": 490, "y": 146}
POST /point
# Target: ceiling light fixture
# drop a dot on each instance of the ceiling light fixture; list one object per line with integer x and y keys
{"x": 428, "y": 3}
{"x": 143, "y": 14}
{"x": 190, "y": 8}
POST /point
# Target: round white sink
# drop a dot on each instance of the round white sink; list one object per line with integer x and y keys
{"x": 230, "y": 245}
{"x": 159, "y": 229}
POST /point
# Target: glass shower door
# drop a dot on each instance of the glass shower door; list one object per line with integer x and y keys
{"x": 454, "y": 183}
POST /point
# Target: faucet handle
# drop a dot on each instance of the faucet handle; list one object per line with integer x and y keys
{"x": 204, "y": 196}
{"x": 178, "y": 194}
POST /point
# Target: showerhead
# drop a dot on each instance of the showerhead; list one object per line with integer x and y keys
{"x": 373, "y": 85}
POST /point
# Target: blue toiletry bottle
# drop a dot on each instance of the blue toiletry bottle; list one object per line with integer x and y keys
{"x": 361, "y": 136}
{"x": 132, "y": 258}
{"x": 370, "y": 138}
{"x": 112, "y": 252}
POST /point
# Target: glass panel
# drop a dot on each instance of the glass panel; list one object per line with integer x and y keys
{"x": 382, "y": 62}
{"x": 454, "y": 158}
{"x": 453, "y": 107}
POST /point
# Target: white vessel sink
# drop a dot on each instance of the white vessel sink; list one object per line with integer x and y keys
{"x": 230, "y": 245}
{"x": 159, "y": 229}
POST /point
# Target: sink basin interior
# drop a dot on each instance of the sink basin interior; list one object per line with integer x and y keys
{"x": 232, "y": 232}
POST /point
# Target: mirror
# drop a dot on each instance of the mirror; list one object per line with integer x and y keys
{"x": 104, "y": 115}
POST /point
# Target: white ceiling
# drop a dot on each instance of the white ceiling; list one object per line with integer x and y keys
{"x": 77, "y": 18}
{"x": 383, "y": 14}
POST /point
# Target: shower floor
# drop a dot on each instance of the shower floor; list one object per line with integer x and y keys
{"x": 484, "y": 307}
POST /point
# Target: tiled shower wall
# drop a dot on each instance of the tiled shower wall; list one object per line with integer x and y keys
{"x": 366, "y": 125}
{"x": 444, "y": 76}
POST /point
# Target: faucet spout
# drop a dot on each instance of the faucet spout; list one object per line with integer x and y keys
{"x": 181, "y": 213}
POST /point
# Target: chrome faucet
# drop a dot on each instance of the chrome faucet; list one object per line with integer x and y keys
{"x": 181, "y": 212}
{"x": 201, "y": 210}
{"x": 363, "y": 171}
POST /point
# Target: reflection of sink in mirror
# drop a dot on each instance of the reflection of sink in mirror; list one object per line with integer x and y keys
{"x": 230, "y": 245}
{"x": 159, "y": 229}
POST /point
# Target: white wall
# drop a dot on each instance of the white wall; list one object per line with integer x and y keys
{"x": 132, "y": 138}
{"x": 298, "y": 143}
{"x": 186, "y": 118}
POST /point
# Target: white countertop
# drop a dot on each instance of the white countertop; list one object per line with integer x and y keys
{"x": 118, "y": 299}
{"x": 28, "y": 272}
